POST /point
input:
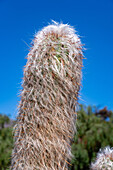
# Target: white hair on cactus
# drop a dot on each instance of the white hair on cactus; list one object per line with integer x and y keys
{"x": 46, "y": 117}
{"x": 104, "y": 160}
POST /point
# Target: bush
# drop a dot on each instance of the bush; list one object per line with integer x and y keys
{"x": 6, "y": 142}
{"x": 93, "y": 133}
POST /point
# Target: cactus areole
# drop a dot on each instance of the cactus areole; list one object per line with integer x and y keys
{"x": 46, "y": 116}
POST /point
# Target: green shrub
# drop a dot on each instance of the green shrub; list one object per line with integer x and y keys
{"x": 6, "y": 142}
{"x": 93, "y": 134}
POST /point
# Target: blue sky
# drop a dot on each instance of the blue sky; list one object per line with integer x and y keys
{"x": 21, "y": 19}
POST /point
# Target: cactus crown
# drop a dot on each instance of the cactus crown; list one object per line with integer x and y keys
{"x": 46, "y": 117}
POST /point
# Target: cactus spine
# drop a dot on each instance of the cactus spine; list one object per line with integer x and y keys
{"x": 46, "y": 117}
{"x": 104, "y": 160}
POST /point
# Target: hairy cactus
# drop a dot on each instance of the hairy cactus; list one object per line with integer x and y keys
{"x": 104, "y": 160}
{"x": 46, "y": 117}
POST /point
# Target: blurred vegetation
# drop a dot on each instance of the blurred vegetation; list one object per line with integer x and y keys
{"x": 94, "y": 131}
{"x": 6, "y": 142}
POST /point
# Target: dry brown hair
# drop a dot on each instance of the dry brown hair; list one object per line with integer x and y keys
{"x": 46, "y": 117}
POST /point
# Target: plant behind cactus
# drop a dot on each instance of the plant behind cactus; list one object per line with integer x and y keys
{"x": 46, "y": 117}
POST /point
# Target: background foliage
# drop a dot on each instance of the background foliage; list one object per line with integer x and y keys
{"x": 6, "y": 141}
{"x": 94, "y": 131}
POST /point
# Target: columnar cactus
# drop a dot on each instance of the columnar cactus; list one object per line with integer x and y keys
{"x": 104, "y": 160}
{"x": 46, "y": 117}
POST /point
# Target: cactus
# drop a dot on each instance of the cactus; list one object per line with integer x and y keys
{"x": 104, "y": 160}
{"x": 46, "y": 117}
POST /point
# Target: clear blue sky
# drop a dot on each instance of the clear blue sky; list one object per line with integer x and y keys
{"x": 93, "y": 19}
